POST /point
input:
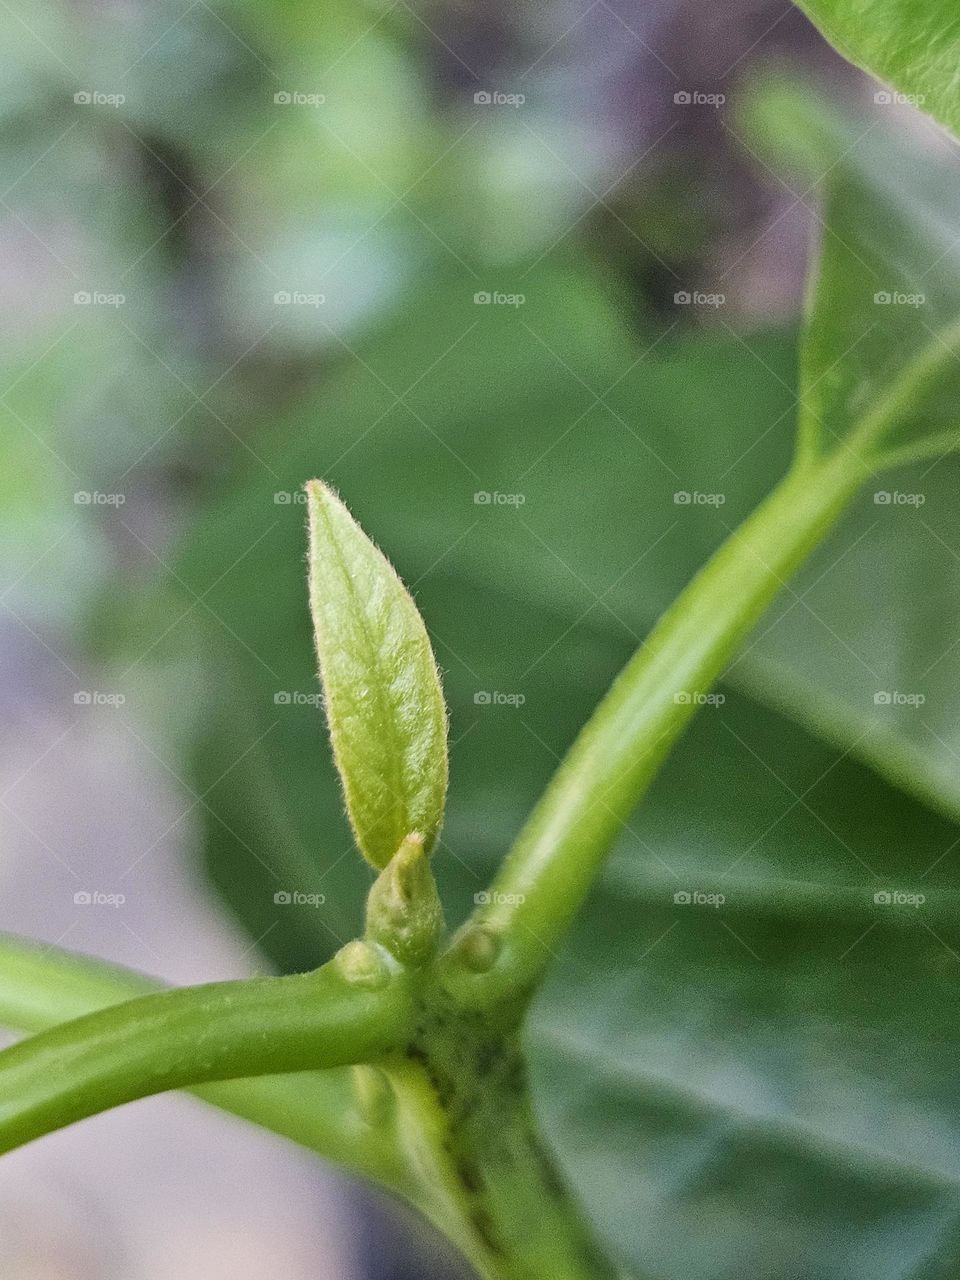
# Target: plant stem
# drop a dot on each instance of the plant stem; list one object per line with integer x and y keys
{"x": 193, "y": 1035}
{"x": 43, "y": 986}
{"x": 463, "y": 1102}
{"x": 555, "y": 860}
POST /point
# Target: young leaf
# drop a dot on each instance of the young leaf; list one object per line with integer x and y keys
{"x": 384, "y": 703}
{"x": 913, "y": 45}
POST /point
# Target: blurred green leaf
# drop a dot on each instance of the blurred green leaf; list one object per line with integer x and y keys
{"x": 882, "y": 331}
{"x": 864, "y": 649}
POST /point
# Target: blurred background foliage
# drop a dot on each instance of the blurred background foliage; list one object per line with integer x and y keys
{"x": 299, "y": 207}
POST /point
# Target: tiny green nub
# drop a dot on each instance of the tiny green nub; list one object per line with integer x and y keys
{"x": 403, "y": 909}
{"x": 359, "y": 964}
{"x": 478, "y": 948}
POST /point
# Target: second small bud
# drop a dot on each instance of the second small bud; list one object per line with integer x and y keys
{"x": 403, "y": 909}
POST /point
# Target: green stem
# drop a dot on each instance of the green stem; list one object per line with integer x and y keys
{"x": 555, "y": 860}
{"x": 321, "y": 1110}
{"x": 524, "y": 1222}
{"x": 229, "y": 1030}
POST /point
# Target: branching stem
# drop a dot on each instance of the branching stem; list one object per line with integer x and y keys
{"x": 548, "y": 874}
{"x": 195, "y": 1035}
